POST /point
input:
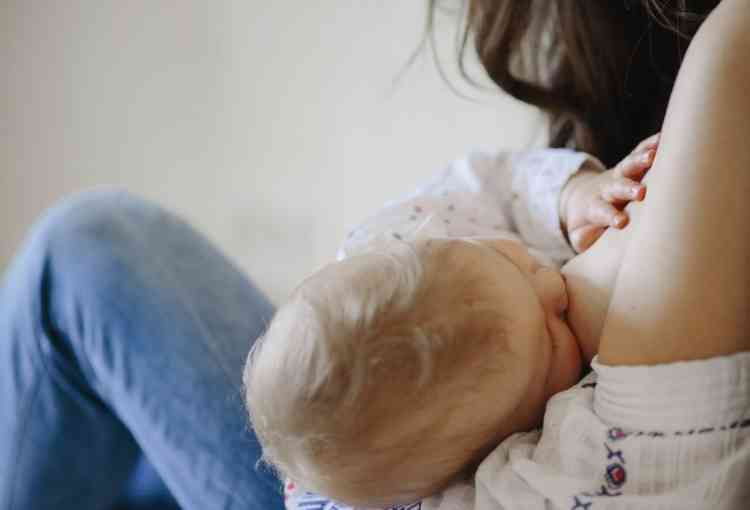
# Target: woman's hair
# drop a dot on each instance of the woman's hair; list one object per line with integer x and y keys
{"x": 602, "y": 70}
{"x": 361, "y": 388}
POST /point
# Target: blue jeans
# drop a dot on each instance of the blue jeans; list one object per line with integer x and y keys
{"x": 124, "y": 331}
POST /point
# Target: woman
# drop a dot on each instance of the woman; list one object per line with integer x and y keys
{"x": 602, "y": 72}
{"x": 664, "y": 303}
{"x": 99, "y": 280}
{"x": 664, "y": 420}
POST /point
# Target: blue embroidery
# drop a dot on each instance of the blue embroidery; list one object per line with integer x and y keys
{"x": 413, "y": 506}
{"x": 578, "y": 504}
{"x": 617, "y": 454}
{"x": 615, "y": 474}
{"x": 604, "y": 492}
{"x": 313, "y": 501}
{"x": 313, "y": 504}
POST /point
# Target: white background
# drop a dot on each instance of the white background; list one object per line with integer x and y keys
{"x": 272, "y": 126}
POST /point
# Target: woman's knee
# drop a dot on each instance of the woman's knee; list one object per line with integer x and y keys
{"x": 92, "y": 223}
{"x": 92, "y": 247}
{"x": 108, "y": 251}
{"x": 78, "y": 259}
{"x": 107, "y": 234}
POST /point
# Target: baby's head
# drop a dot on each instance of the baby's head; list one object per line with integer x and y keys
{"x": 390, "y": 374}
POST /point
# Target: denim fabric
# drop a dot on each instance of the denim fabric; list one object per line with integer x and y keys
{"x": 122, "y": 331}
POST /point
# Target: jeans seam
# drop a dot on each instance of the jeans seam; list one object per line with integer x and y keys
{"x": 36, "y": 354}
{"x": 186, "y": 303}
{"x": 158, "y": 214}
{"x": 17, "y": 453}
{"x": 50, "y": 327}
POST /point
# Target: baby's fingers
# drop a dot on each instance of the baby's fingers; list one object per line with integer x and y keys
{"x": 635, "y": 165}
{"x": 606, "y": 215}
{"x": 623, "y": 189}
{"x": 649, "y": 143}
{"x": 582, "y": 238}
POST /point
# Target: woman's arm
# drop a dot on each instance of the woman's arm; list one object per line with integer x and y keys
{"x": 683, "y": 289}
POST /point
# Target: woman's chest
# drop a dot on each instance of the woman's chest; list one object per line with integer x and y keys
{"x": 590, "y": 279}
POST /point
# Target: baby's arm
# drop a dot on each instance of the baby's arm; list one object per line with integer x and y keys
{"x": 561, "y": 194}
{"x": 683, "y": 290}
{"x": 531, "y": 185}
{"x": 499, "y": 195}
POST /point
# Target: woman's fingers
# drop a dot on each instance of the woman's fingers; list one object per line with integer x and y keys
{"x": 622, "y": 189}
{"x": 582, "y": 238}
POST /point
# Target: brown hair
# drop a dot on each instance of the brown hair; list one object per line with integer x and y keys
{"x": 602, "y": 70}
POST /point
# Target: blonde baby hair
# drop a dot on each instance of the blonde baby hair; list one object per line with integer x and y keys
{"x": 364, "y": 386}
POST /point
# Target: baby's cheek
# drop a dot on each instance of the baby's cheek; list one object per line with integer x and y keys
{"x": 567, "y": 361}
{"x": 550, "y": 288}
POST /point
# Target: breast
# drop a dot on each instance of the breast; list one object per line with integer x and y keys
{"x": 590, "y": 278}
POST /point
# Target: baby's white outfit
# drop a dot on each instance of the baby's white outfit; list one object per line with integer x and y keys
{"x": 483, "y": 196}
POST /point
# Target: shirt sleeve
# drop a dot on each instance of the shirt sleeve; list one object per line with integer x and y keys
{"x": 538, "y": 178}
{"x": 699, "y": 395}
{"x": 483, "y": 195}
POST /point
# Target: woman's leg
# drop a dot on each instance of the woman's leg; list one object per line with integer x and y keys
{"x": 145, "y": 490}
{"x": 120, "y": 328}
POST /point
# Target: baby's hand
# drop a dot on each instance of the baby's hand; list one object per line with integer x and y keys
{"x": 593, "y": 201}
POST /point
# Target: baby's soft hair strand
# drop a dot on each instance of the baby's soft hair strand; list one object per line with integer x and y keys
{"x": 329, "y": 340}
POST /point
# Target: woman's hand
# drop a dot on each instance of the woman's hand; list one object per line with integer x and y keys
{"x": 592, "y": 201}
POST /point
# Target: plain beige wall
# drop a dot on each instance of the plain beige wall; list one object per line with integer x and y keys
{"x": 272, "y": 126}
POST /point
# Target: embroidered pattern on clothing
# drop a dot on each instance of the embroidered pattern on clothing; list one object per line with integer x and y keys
{"x": 312, "y": 501}
{"x": 615, "y": 474}
{"x": 616, "y": 433}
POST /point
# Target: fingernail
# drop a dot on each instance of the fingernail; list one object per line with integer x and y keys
{"x": 619, "y": 221}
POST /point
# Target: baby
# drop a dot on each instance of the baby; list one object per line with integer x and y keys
{"x": 394, "y": 371}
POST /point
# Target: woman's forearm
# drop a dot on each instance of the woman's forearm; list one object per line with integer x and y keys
{"x": 683, "y": 289}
